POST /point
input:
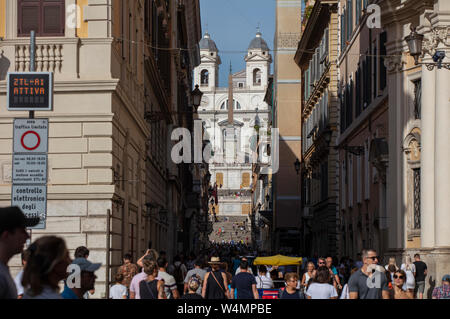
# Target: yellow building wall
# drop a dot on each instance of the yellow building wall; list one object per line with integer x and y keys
{"x": 246, "y": 209}
{"x": 2, "y": 18}
{"x": 245, "y": 180}
{"x": 82, "y": 31}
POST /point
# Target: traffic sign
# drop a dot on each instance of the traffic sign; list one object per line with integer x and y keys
{"x": 29, "y": 91}
{"x": 30, "y": 136}
{"x": 32, "y": 200}
{"x": 29, "y": 169}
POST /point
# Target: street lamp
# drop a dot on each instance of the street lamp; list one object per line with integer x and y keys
{"x": 196, "y": 97}
{"x": 415, "y": 45}
{"x": 297, "y": 166}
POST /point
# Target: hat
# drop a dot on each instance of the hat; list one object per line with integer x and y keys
{"x": 446, "y": 278}
{"x": 13, "y": 217}
{"x": 86, "y": 265}
{"x": 214, "y": 261}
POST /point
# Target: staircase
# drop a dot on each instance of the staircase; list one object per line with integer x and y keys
{"x": 228, "y": 233}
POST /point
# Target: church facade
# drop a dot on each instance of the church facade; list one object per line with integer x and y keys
{"x": 233, "y": 131}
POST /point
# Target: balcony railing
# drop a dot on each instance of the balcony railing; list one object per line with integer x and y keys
{"x": 49, "y": 57}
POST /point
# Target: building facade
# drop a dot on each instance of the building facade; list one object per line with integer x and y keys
{"x": 316, "y": 56}
{"x": 418, "y": 171}
{"x": 364, "y": 131}
{"x": 286, "y": 114}
{"x": 231, "y": 163}
{"x": 111, "y": 186}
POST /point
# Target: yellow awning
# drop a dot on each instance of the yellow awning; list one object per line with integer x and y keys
{"x": 278, "y": 260}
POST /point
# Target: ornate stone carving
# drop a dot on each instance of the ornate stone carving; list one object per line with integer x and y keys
{"x": 288, "y": 40}
{"x": 394, "y": 63}
{"x": 432, "y": 40}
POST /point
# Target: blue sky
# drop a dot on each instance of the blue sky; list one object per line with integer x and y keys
{"x": 232, "y": 25}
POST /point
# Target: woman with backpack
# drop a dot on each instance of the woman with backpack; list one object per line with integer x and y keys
{"x": 215, "y": 282}
{"x": 151, "y": 288}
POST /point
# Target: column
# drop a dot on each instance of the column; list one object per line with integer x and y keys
{"x": 427, "y": 157}
{"x": 442, "y": 158}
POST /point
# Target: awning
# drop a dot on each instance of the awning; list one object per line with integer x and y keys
{"x": 278, "y": 260}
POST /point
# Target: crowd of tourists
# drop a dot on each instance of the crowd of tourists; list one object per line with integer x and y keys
{"x": 223, "y": 271}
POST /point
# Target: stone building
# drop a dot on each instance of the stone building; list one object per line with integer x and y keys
{"x": 364, "y": 131}
{"x": 418, "y": 181}
{"x": 119, "y": 89}
{"x": 286, "y": 114}
{"x": 317, "y": 58}
{"x": 238, "y": 111}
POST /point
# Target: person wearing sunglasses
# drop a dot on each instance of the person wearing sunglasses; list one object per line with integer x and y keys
{"x": 399, "y": 282}
{"x": 369, "y": 282}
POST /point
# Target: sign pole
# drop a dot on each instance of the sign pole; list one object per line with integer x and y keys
{"x": 32, "y": 58}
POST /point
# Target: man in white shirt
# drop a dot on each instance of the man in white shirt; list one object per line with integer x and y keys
{"x": 13, "y": 235}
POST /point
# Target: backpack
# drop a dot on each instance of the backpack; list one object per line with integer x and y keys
{"x": 178, "y": 274}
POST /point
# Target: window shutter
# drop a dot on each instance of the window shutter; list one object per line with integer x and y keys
{"x": 28, "y": 17}
{"x": 53, "y": 17}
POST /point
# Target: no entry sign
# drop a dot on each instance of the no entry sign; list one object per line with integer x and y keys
{"x": 30, "y": 136}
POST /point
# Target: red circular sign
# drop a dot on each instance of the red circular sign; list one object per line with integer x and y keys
{"x": 33, "y": 147}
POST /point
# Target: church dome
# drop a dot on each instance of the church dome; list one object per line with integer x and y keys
{"x": 258, "y": 43}
{"x": 206, "y": 43}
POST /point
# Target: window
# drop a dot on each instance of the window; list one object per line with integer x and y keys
{"x": 358, "y": 10}
{"x": 219, "y": 179}
{"x": 417, "y": 198}
{"x": 241, "y": 85}
{"x": 417, "y": 98}
{"x": 47, "y": 18}
{"x": 343, "y": 31}
{"x": 245, "y": 180}
{"x": 383, "y": 52}
{"x": 236, "y": 105}
{"x": 204, "y": 77}
{"x": 256, "y": 77}
{"x": 349, "y": 19}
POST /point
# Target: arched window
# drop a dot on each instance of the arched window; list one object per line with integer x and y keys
{"x": 236, "y": 105}
{"x": 256, "y": 77}
{"x": 204, "y": 77}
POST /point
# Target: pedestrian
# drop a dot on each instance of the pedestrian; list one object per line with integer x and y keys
{"x": 170, "y": 285}
{"x": 46, "y": 267}
{"x": 197, "y": 271}
{"x": 18, "y": 280}
{"x": 334, "y": 274}
{"x": 442, "y": 292}
{"x": 179, "y": 273}
{"x": 86, "y": 281}
{"x": 245, "y": 283}
{"x": 238, "y": 270}
{"x": 263, "y": 280}
{"x": 13, "y": 236}
{"x": 152, "y": 287}
{"x": 358, "y": 283}
{"x": 81, "y": 252}
{"x": 291, "y": 291}
{"x": 393, "y": 263}
{"x": 410, "y": 269}
{"x": 308, "y": 275}
{"x": 320, "y": 288}
{"x": 128, "y": 270}
{"x": 421, "y": 274}
{"x": 345, "y": 292}
{"x": 150, "y": 254}
{"x": 194, "y": 283}
{"x": 119, "y": 290}
{"x": 391, "y": 271}
{"x": 214, "y": 285}
{"x": 400, "y": 280}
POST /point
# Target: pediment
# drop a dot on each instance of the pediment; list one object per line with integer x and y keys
{"x": 235, "y": 123}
